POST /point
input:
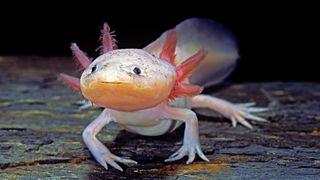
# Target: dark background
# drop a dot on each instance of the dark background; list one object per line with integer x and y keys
{"x": 277, "y": 42}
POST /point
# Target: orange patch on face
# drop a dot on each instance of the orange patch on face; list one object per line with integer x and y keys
{"x": 123, "y": 96}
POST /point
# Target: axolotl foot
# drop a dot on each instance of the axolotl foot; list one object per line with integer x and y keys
{"x": 187, "y": 150}
{"x": 239, "y": 112}
{"x": 191, "y": 144}
{"x": 100, "y": 152}
{"x": 104, "y": 157}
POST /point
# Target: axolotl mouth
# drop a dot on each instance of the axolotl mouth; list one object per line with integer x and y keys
{"x": 108, "y": 82}
{"x": 124, "y": 96}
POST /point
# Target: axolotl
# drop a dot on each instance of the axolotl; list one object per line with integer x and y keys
{"x": 151, "y": 91}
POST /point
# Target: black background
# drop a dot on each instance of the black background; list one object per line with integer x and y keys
{"x": 278, "y": 42}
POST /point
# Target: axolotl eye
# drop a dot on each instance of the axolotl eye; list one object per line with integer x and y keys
{"x": 94, "y": 68}
{"x": 137, "y": 70}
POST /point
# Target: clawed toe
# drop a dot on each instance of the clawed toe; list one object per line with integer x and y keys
{"x": 124, "y": 161}
{"x": 115, "y": 165}
{"x": 177, "y": 155}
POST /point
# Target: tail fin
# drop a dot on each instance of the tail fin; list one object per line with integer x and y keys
{"x": 195, "y": 34}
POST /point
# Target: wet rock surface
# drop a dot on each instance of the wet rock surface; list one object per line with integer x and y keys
{"x": 40, "y": 131}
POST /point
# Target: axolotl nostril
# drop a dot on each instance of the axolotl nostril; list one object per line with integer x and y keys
{"x": 151, "y": 91}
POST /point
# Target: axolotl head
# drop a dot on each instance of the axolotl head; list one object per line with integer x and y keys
{"x": 133, "y": 79}
{"x": 128, "y": 80}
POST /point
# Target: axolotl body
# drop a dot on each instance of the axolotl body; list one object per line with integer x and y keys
{"x": 151, "y": 91}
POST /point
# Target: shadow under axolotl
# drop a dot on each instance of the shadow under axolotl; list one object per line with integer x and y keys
{"x": 146, "y": 149}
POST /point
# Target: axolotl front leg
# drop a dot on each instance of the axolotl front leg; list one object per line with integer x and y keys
{"x": 100, "y": 152}
{"x": 191, "y": 144}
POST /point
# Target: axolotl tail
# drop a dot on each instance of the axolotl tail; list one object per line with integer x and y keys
{"x": 195, "y": 34}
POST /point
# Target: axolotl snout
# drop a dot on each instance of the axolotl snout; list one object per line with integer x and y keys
{"x": 150, "y": 91}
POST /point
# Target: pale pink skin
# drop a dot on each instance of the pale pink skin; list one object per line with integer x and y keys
{"x": 164, "y": 118}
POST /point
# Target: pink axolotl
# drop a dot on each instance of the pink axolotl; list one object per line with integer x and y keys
{"x": 151, "y": 91}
